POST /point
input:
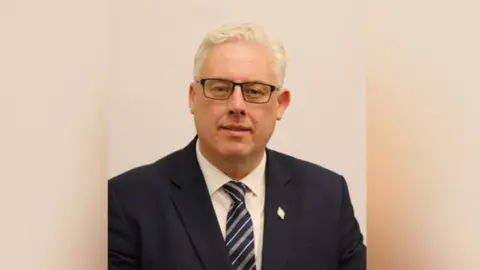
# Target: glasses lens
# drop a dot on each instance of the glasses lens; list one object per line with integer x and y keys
{"x": 218, "y": 89}
{"x": 256, "y": 92}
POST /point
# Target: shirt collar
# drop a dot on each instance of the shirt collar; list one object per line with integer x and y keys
{"x": 215, "y": 179}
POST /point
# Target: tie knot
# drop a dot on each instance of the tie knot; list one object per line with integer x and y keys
{"x": 236, "y": 190}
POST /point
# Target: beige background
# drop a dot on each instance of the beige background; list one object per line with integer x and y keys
{"x": 152, "y": 49}
{"x": 423, "y": 120}
{"x": 53, "y": 67}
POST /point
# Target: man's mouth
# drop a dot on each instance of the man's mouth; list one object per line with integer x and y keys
{"x": 236, "y": 128}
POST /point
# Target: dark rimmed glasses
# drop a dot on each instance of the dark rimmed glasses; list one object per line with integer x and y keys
{"x": 222, "y": 89}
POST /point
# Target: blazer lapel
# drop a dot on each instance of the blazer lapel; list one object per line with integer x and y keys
{"x": 191, "y": 198}
{"x": 279, "y": 213}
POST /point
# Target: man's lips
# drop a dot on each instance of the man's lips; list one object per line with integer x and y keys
{"x": 236, "y": 128}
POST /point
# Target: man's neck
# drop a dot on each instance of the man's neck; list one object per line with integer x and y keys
{"x": 234, "y": 167}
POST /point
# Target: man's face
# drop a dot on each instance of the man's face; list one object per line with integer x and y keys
{"x": 234, "y": 127}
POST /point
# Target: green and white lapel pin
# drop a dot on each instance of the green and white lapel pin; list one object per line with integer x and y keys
{"x": 281, "y": 213}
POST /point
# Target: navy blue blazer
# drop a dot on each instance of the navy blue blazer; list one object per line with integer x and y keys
{"x": 160, "y": 217}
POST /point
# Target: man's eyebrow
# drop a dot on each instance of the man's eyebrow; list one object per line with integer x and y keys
{"x": 258, "y": 81}
{"x": 245, "y": 81}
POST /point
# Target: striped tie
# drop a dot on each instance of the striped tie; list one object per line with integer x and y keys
{"x": 239, "y": 235}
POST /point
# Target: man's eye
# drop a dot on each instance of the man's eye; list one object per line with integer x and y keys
{"x": 220, "y": 89}
{"x": 255, "y": 92}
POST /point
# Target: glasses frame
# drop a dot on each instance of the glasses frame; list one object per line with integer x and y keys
{"x": 273, "y": 88}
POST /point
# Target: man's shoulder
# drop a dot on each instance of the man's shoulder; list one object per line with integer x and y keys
{"x": 306, "y": 170}
{"x": 144, "y": 174}
{"x": 302, "y": 165}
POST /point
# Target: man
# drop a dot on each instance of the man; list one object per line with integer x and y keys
{"x": 225, "y": 201}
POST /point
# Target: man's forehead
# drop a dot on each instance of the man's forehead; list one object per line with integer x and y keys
{"x": 238, "y": 75}
{"x": 239, "y": 63}
{"x": 239, "y": 50}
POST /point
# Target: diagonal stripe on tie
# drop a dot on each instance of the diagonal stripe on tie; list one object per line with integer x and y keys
{"x": 248, "y": 229}
{"x": 234, "y": 246}
{"x": 244, "y": 252}
{"x": 232, "y": 213}
{"x": 246, "y": 260}
{"x": 239, "y": 238}
{"x": 236, "y": 220}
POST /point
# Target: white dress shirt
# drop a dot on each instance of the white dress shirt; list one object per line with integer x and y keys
{"x": 254, "y": 198}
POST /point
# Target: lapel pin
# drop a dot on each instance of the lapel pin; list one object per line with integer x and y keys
{"x": 281, "y": 213}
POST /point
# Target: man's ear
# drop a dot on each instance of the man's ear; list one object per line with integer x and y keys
{"x": 191, "y": 97}
{"x": 283, "y": 100}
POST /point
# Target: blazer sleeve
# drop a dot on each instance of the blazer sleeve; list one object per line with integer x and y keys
{"x": 352, "y": 249}
{"x": 121, "y": 244}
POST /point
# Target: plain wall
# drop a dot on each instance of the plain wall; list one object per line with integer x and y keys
{"x": 152, "y": 49}
{"x": 423, "y": 135}
{"x": 53, "y": 77}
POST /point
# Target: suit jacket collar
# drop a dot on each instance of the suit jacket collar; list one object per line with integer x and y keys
{"x": 280, "y": 211}
{"x": 192, "y": 200}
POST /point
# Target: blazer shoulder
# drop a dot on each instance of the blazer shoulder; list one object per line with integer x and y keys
{"x": 315, "y": 182}
{"x": 141, "y": 175}
{"x": 307, "y": 170}
{"x": 302, "y": 166}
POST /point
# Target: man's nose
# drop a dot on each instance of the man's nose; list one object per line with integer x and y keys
{"x": 236, "y": 102}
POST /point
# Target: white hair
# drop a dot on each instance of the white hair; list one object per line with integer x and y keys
{"x": 246, "y": 32}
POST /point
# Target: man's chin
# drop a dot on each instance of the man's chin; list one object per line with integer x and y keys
{"x": 234, "y": 149}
